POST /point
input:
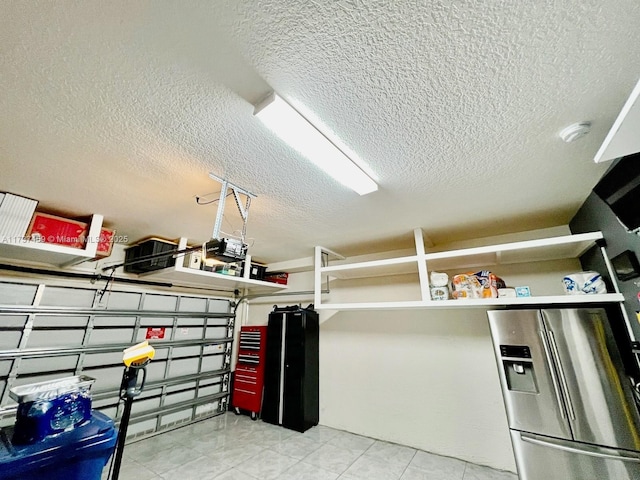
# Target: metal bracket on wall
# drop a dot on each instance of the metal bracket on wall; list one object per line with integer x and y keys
{"x": 321, "y": 259}
{"x": 243, "y": 209}
{"x": 222, "y": 404}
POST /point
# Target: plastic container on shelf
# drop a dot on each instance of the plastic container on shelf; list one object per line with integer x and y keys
{"x": 51, "y": 389}
{"x": 49, "y": 408}
{"x": 146, "y": 256}
{"x": 439, "y": 286}
{"x": 77, "y": 454}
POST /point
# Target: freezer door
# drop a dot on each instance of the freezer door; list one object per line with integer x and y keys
{"x": 530, "y": 386}
{"x": 598, "y": 394}
{"x": 546, "y": 458}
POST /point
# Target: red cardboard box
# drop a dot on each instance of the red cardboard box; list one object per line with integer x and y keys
{"x": 105, "y": 243}
{"x": 276, "y": 277}
{"x": 47, "y": 228}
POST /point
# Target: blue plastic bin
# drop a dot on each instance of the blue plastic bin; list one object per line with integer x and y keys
{"x": 79, "y": 454}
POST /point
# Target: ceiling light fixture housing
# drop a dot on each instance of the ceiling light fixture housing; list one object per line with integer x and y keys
{"x": 283, "y": 120}
{"x": 575, "y": 131}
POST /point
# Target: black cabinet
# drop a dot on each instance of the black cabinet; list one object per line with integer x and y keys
{"x": 292, "y": 368}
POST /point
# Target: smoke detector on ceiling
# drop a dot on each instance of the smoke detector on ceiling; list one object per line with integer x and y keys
{"x": 575, "y": 131}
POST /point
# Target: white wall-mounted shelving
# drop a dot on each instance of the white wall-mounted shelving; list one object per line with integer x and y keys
{"x": 27, "y": 251}
{"x": 545, "y": 249}
{"x": 623, "y": 138}
{"x": 477, "y": 302}
{"x": 191, "y": 277}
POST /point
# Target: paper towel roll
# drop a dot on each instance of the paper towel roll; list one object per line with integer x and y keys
{"x": 439, "y": 279}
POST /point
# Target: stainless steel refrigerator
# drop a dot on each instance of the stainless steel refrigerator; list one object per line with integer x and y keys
{"x": 570, "y": 406}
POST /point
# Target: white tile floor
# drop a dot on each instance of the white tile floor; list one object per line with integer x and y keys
{"x": 231, "y": 447}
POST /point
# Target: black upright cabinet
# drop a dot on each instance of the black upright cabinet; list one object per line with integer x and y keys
{"x": 292, "y": 368}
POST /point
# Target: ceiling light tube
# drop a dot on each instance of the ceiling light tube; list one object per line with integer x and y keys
{"x": 283, "y": 120}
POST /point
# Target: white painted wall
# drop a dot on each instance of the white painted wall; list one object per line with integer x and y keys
{"x": 424, "y": 378}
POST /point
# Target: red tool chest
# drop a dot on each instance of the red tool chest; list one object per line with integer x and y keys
{"x": 249, "y": 375}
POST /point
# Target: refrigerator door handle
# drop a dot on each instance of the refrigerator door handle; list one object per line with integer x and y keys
{"x": 566, "y": 448}
{"x": 563, "y": 380}
{"x": 554, "y": 379}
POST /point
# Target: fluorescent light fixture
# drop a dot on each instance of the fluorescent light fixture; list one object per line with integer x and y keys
{"x": 283, "y": 120}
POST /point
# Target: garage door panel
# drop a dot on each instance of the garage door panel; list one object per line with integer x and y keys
{"x": 17, "y": 293}
{"x": 67, "y": 297}
{"x": 13, "y": 321}
{"x": 55, "y": 338}
{"x": 176, "y": 417}
{"x": 219, "y": 306}
{"x": 123, "y": 301}
{"x": 10, "y": 339}
{"x": 207, "y": 408}
{"x": 51, "y": 364}
{"x": 104, "y": 336}
{"x": 5, "y": 367}
{"x": 51, "y": 321}
{"x": 90, "y": 342}
{"x": 174, "y": 398}
{"x": 107, "y": 379}
{"x": 160, "y": 302}
{"x": 188, "y": 333}
{"x": 183, "y": 367}
{"x": 210, "y": 390}
{"x": 212, "y": 362}
{"x": 137, "y": 428}
{"x": 155, "y": 371}
{"x": 102, "y": 321}
{"x": 179, "y": 352}
{"x": 192, "y": 304}
{"x": 181, "y": 386}
{"x": 216, "y": 332}
{"x": 98, "y": 359}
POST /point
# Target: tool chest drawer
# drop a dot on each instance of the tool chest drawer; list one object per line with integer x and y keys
{"x": 249, "y": 374}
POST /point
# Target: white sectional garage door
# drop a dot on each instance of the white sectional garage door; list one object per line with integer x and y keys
{"x": 51, "y": 331}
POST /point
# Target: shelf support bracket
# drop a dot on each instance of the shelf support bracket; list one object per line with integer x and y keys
{"x": 242, "y": 209}
{"x": 423, "y": 273}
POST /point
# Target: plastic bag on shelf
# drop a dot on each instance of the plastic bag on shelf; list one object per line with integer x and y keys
{"x": 584, "y": 283}
{"x": 482, "y": 284}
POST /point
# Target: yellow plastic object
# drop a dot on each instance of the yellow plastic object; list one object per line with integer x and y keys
{"x": 138, "y": 354}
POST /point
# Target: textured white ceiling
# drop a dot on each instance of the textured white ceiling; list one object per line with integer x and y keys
{"x": 122, "y": 108}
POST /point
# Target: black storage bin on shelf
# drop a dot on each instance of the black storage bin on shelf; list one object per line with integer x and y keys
{"x": 256, "y": 271}
{"x": 292, "y": 373}
{"x": 147, "y": 249}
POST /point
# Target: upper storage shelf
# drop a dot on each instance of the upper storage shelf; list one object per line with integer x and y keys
{"x": 26, "y": 251}
{"x": 191, "y": 277}
{"x": 554, "y": 248}
{"x": 373, "y": 268}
